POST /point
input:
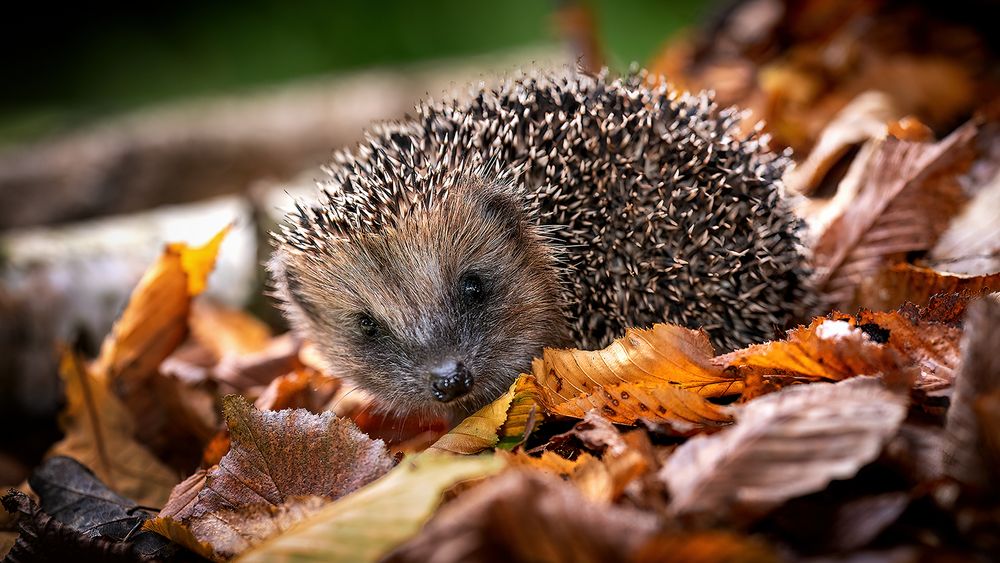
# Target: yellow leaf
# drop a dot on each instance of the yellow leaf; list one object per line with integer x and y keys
{"x": 366, "y": 524}
{"x": 479, "y": 431}
{"x": 179, "y": 533}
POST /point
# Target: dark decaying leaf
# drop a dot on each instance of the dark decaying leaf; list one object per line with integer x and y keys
{"x": 527, "y": 516}
{"x": 78, "y": 518}
{"x": 908, "y": 195}
{"x": 972, "y": 445}
{"x": 784, "y": 445}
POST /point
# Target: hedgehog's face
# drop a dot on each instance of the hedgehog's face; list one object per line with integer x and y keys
{"x": 437, "y": 314}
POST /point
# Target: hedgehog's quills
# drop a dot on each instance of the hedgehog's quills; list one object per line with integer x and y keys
{"x": 449, "y": 249}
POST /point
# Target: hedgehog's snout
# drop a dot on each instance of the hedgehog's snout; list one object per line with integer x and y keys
{"x": 450, "y": 380}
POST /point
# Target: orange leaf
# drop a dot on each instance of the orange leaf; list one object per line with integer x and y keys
{"x": 905, "y": 282}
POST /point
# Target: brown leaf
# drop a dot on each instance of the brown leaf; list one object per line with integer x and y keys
{"x": 155, "y": 321}
{"x": 664, "y": 354}
{"x": 908, "y": 195}
{"x": 303, "y": 388}
{"x": 479, "y": 431}
{"x": 660, "y": 374}
{"x": 971, "y": 244}
{"x": 711, "y": 546}
{"x": 972, "y": 445}
{"x": 184, "y": 496}
{"x": 933, "y": 346}
{"x": 99, "y": 434}
{"x": 234, "y": 531}
{"x": 827, "y": 349}
{"x": 823, "y": 432}
{"x": 226, "y": 331}
{"x": 527, "y": 516}
{"x": 276, "y": 455}
{"x": 903, "y": 283}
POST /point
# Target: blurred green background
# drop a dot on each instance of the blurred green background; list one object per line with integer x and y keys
{"x": 70, "y": 64}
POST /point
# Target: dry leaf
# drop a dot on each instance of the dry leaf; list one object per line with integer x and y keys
{"x": 155, "y": 321}
{"x": 281, "y": 466}
{"x": 226, "y": 331}
{"x": 932, "y": 346}
{"x": 664, "y": 354}
{"x": 903, "y": 283}
{"x": 827, "y": 349}
{"x": 479, "y": 431}
{"x": 908, "y": 196}
{"x": 303, "y": 388}
{"x": 865, "y": 118}
{"x": 365, "y": 525}
{"x": 276, "y": 455}
{"x": 524, "y": 414}
{"x": 971, "y": 244}
{"x": 660, "y": 374}
{"x": 526, "y": 516}
{"x": 99, "y": 434}
{"x": 972, "y": 446}
{"x": 710, "y": 546}
{"x": 784, "y": 445}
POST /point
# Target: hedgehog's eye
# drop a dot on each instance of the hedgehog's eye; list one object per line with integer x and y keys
{"x": 368, "y": 325}
{"x": 471, "y": 288}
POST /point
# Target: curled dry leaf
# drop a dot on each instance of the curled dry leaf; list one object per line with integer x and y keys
{"x": 303, "y": 388}
{"x": 865, "y": 118}
{"x": 660, "y": 374}
{"x": 366, "y": 524}
{"x": 527, "y": 516}
{"x": 972, "y": 444}
{"x": 909, "y": 193}
{"x": 971, "y": 245}
{"x": 226, "y": 331}
{"x": 155, "y": 321}
{"x": 479, "y": 431}
{"x": 903, "y": 283}
{"x": 827, "y": 349}
{"x": 932, "y": 346}
{"x": 99, "y": 434}
{"x": 525, "y": 413}
{"x": 823, "y": 431}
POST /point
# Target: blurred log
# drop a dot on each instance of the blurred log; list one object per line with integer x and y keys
{"x": 194, "y": 150}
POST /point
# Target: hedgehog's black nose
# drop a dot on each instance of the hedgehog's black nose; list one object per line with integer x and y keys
{"x": 450, "y": 380}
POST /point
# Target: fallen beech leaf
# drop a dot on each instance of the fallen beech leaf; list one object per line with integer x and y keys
{"x": 972, "y": 444}
{"x": 184, "y": 495}
{"x": 660, "y": 374}
{"x": 908, "y": 196}
{"x": 364, "y": 525}
{"x": 709, "y": 546}
{"x": 548, "y": 462}
{"x": 227, "y": 331}
{"x": 154, "y": 322}
{"x": 99, "y": 434}
{"x": 866, "y": 117}
{"x": 303, "y": 388}
{"x": 903, "y": 283}
{"x": 527, "y": 516}
{"x": 627, "y": 403}
{"x": 276, "y": 455}
{"x": 479, "y": 431}
{"x": 823, "y": 432}
{"x": 72, "y": 494}
{"x": 231, "y": 532}
{"x": 933, "y": 346}
{"x": 664, "y": 354}
{"x": 281, "y": 466}
{"x": 827, "y": 349}
{"x": 971, "y": 244}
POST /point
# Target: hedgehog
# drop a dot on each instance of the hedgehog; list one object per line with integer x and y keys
{"x": 555, "y": 209}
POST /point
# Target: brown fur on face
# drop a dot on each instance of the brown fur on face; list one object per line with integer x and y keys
{"x": 405, "y": 276}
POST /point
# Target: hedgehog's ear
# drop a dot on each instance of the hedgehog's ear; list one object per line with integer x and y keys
{"x": 505, "y": 208}
{"x": 288, "y": 288}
